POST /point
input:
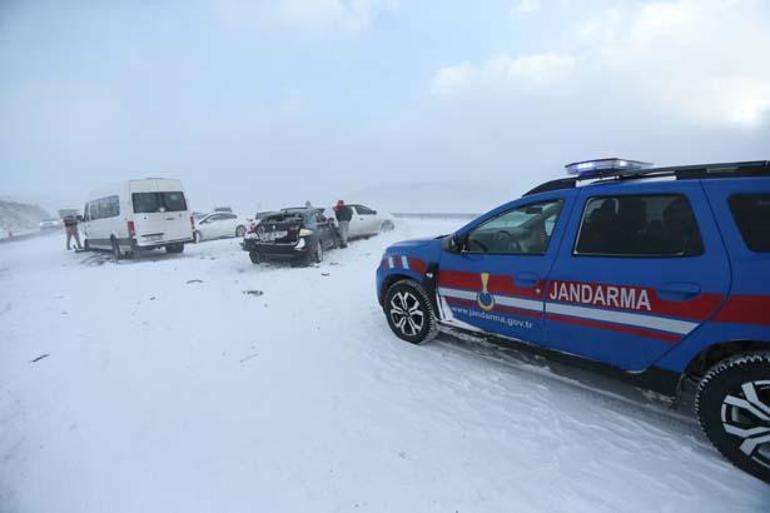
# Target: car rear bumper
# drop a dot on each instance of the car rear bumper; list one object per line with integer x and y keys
{"x": 277, "y": 251}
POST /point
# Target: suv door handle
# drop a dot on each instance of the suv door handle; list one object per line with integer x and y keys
{"x": 526, "y": 279}
{"x": 679, "y": 291}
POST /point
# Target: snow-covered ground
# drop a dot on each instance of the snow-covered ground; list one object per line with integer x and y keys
{"x": 167, "y": 387}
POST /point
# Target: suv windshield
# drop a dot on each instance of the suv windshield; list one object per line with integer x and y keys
{"x": 152, "y": 202}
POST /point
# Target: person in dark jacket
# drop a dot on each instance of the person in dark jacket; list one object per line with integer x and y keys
{"x": 71, "y": 226}
{"x": 344, "y": 214}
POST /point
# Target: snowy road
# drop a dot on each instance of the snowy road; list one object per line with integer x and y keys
{"x": 169, "y": 388}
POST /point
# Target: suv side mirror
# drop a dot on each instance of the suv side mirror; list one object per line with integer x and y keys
{"x": 453, "y": 243}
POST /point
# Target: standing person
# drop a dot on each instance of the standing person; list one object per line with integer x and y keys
{"x": 344, "y": 214}
{"x": 71, "y": 226}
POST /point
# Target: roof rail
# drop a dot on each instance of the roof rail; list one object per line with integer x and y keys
{"x": 691, "y": 172}
{"x": 698, "y": 171}
{"x": 553, "y": 185}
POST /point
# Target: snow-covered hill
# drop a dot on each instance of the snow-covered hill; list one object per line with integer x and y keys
{"x": 203, "y": 383}
{"x": 19, "y": 218}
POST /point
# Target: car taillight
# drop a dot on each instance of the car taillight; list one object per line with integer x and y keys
{"x": 192, "y": 223}
{"x": 131, "y": 229}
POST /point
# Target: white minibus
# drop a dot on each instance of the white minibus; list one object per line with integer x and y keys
{"x": 138, "y": 214}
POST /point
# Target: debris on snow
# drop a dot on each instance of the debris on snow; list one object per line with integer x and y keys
{"x": 247, "y": 358}
{"x": 35, "y": 360}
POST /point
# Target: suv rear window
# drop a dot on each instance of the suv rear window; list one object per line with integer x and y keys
{"x": 151, "y": 202}
{"x": 661, "y": 225}
{"x": 752, "y": 215}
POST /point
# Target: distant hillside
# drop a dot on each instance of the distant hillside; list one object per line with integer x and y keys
{"x": 19, "y": 217}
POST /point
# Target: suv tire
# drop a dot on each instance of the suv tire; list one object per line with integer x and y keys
{"x": 410, "y": 312}
{"x": 255, "y": 257}
{"x": 733, "y": 406}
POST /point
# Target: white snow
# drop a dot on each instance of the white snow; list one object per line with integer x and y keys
{"x": 160, "y": 395}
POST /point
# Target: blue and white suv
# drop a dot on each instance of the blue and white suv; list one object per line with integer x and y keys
{"x": 662, "y": 274}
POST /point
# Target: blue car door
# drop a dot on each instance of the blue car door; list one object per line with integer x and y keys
{"x": 640, "y": 268}
{"x": 493, "y": 279}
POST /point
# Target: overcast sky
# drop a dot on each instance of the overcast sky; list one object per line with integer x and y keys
{"x": 272, "y": 102}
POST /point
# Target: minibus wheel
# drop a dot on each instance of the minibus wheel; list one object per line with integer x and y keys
{"x": 174, "y": 248}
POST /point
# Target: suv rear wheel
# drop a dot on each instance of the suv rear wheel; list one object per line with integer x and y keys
{"x": 409, "y": 312}
{"x": 733, "y": 406}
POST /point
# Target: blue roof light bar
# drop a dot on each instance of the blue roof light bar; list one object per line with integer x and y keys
{"x": 606, "y": 167}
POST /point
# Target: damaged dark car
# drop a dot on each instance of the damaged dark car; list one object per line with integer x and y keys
{"x": 293, "y": 234}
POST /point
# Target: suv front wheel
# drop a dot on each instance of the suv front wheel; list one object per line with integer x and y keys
{"x": 409, "y": 312}
{"x": 733, "y": 406}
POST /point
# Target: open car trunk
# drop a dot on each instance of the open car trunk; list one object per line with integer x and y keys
{"x": 280, "y": 228}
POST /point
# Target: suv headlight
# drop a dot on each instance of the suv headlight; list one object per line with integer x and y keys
{"x": 304, "y": 232}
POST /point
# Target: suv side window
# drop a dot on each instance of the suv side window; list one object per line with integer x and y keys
{"x": 654, "y": 225}
{"x": 522, "y": 231}
{"x": 752, "y": 215}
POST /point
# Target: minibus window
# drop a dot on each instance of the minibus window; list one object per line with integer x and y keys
{"x": 174, "y": 201}
{"x": 151, "y": 202}
{"x": 146, "y": 202}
